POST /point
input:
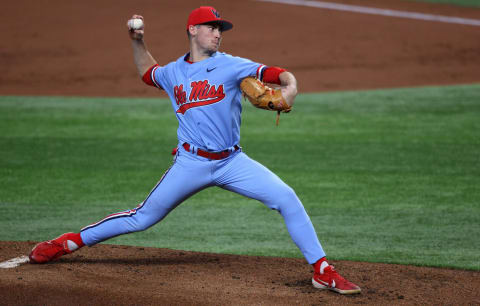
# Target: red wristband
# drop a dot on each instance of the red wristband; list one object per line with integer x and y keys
{"x": 271, "y": 75}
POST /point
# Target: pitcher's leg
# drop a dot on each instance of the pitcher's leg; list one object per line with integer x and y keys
{"x": 175, "y": 186}
{"x": 249, "y": 178}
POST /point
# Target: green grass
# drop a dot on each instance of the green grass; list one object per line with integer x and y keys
{"x": 386, "y": 176}
{"x": 473, "y": 3}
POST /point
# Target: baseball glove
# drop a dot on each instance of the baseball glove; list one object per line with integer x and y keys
{"x": 264, "y": 97}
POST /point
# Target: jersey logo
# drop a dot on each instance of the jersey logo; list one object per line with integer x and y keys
{"x": 211, "y": 69}
{"x": 202, "y": 94}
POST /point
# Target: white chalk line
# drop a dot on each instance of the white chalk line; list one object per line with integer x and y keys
{"x": 378, "y": 11}
{"x": 14, "y": 262}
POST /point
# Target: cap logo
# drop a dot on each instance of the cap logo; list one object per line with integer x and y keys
{"x": 214, "y": 12}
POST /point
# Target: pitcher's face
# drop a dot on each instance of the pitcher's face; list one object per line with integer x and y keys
{"x": 208, "y": 37}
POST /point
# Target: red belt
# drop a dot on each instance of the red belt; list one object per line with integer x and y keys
{"x": 212, "y": 155}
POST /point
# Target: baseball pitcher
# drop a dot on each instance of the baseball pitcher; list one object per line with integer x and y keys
{"x": 205, "y": 87}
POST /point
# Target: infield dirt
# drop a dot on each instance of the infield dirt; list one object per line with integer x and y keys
{"x": 82, "y": 49}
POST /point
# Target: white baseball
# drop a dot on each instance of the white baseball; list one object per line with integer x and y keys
{"x": 135, "y": 24}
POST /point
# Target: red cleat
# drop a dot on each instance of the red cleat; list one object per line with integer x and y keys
{"x": 325, "y": 277}
{"x": 52, "y": 249}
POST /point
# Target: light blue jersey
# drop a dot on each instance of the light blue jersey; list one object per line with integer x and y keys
{"x": 206, "y": 98}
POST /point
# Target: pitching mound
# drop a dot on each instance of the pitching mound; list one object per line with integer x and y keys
{"x": 124, "y": 275}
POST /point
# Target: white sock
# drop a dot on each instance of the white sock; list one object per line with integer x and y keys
{"x": 323, "y": 266}
{"x": 72, "y": 246}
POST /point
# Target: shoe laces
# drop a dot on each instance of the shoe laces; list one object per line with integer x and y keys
{"x": 333, "y": 274}
{"x": 58, "y": 244}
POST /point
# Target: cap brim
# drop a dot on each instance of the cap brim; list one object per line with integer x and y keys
{"x": 224, "y": 24}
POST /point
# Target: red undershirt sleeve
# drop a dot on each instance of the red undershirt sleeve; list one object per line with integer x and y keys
{"x": 147, "y": 77}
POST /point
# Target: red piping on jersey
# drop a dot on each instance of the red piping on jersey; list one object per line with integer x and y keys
{"x": 148, "y": 78}
{"x": 260, "y": 70}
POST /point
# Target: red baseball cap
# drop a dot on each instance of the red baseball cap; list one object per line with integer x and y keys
{"x": 208, "y": 14}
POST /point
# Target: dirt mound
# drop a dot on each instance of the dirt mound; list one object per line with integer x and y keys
{"x": 123, "y": 275}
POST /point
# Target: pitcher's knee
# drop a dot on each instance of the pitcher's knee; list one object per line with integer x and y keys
{"x": 286, "y": 201}
{"x": 289, "y": 193}
{"x": 138, "y": 224}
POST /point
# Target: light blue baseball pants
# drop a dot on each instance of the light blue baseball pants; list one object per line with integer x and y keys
{"x": 191, "y": 173}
